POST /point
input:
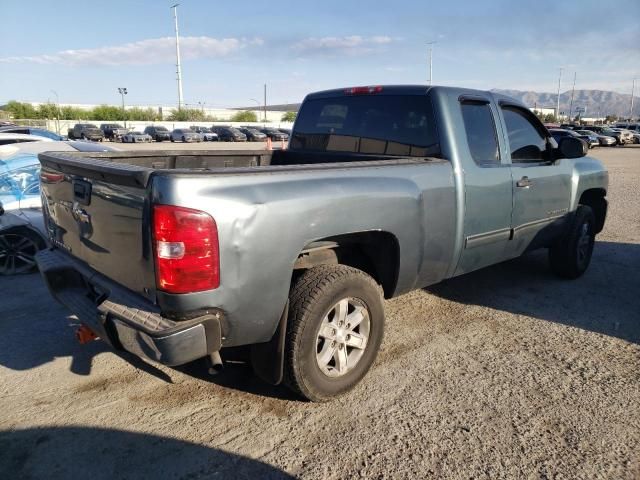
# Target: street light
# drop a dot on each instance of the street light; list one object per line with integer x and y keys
{"x": 558, "y": 98}
{"x": 123, "y": 91}
{"x": 431, "y": 44}
{"x": 633, "y": 88}
{"x": 58, "y": 109}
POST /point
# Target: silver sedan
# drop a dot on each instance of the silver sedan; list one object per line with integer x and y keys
{"x": 185, "y": 135}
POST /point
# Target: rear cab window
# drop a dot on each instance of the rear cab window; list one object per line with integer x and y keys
{"x": 402, "y": 125}
{"x": 481, "y": 133}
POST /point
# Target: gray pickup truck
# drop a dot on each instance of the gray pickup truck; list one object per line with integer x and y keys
{"x": 85, "y": 131}
{"x": 176, "y": 255}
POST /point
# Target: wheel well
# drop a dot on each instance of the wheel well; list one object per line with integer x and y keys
{"x": 375, "y": 253}
{"x": 595, "y": 198}
{"x": 27, "y": 231}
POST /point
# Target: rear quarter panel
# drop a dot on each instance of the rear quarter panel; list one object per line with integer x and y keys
{"x": 266, "y": 218}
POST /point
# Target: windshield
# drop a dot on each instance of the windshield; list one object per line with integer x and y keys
{"x": 373, "y": 124}
{"x": 161, "y": 129}
{"x": 19, "y": 180}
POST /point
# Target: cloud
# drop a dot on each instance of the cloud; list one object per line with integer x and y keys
{"x": 348, "y": 45}
{"x": 143, "y": 52}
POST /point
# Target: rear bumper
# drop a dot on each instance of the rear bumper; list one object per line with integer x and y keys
{"x": 123, "y": 319}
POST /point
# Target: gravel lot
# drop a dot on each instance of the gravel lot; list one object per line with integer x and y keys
{"x": 505, "y": 373}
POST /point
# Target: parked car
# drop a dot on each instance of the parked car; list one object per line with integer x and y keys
{"x": 285, "y": 130}
{"x": 594, "y": 128}
{"x": 39, "y": 132}
{"x": 603, "y": 140}
{"x": 136, "y": 137}
{"x": 294, "y": 252}
{"x": 85, "y": 131}
{"x": 9, "y": 138}
{"x": 185, "y": 135}
{"x": 559, "y": 133}
{"x": 113, "y": 131}
{"x": 158, "y": 133}
{"x": 229, "y": 134}
{"x": 622, "y": 136}
{"x": 274, "y": 134}
{"x": 253, "y": 134}
{"x": 22, "y": 231}
{"x": 206, "y": 133}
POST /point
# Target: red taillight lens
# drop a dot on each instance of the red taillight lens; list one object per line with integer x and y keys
{"x": 186, "y": 250}
{"x": 363, "y": 90}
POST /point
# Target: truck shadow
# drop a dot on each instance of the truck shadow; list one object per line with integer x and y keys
{"x": 237, "y": 375}
{"x": 606, "y": 299}
{"x": 97, "y": 453}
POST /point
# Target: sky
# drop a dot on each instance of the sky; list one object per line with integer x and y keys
{"x": 84, "y": 51}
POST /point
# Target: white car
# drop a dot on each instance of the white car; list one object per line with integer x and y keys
{"x": 136, "y": 137}
{"x": 9, "y": 138}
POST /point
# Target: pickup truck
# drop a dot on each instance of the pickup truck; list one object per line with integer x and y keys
{"x": 85, "y": 131}
{"x": 113, "y": 131}
{"x": 175, "y": 256}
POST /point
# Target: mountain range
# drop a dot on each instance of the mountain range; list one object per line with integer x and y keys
{"x": 596, "y": 102}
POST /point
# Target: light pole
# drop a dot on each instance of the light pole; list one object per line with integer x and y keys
{"x": 431, "y": 44}
{"x": 633, "y": 88}
{"x": 123, "y": 91}
{"x": 178, "y": 67}
{"x": 265, "y": 103}
{"x": 58, "y": 110}
{"x": 573, "y": 89}
{"x": 558, "y": 98}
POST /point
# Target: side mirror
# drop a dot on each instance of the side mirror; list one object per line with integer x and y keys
{"x": 571, "y": 147}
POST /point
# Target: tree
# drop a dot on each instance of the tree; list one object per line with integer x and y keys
{"x": 549, "y": 118}
{"x": 143, "y": 114}
{"x": 187, "y": 114}
{"x": 107, "y": 112}
{"x": 289, "y": 117}
{"x": 610, "y": 118}
{"x": 47, "y": 110}
{"x": 245, "y": 117}
{"x": 20, "y": 110}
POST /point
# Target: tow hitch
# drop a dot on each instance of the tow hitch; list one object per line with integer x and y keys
{"x": 85, "y": 335}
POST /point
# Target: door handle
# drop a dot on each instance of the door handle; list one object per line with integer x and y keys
{"x": 524, "y": 182}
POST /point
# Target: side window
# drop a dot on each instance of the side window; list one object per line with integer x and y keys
{"x": 526, "y": 142}
{"x": 481, "y": 133}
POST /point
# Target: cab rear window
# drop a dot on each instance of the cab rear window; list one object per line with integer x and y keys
{"x": 372, "y": 124}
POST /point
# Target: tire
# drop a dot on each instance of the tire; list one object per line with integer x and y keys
{"x": 172, "y": 140}
{"x": 316, "y": 298}
{"x": 83, "y": 137}
{"x": 570, "y": 256}
{"x": 183, "y": 140}
{"x": 17, "y": 251}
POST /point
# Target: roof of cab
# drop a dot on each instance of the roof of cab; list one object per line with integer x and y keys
{"x": 417, "y": 90}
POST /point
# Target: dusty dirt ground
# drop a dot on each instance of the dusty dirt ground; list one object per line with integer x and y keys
{"x": 504, "y": 373}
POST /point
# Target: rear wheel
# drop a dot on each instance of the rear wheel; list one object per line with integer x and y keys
{"x": 334, "y": 330}
{"x": 571, "y": 255}
{"x": 17, "y": 252}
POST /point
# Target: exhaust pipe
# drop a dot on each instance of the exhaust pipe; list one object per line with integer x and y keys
{"x": 215, "y": 363}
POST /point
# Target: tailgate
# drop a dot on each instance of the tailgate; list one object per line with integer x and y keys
{"x": 98, "y": 211}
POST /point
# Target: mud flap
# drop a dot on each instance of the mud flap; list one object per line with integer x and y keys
{"x": 267, "y": 359}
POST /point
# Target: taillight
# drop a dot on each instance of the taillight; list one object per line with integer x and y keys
{"x": 363, "y": 90}
{"x": 186, "y": 250}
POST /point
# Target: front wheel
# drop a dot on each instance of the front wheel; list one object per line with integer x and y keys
{"x": 334, "y": 331}
{"x": 571, "y": 254}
